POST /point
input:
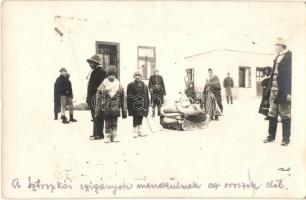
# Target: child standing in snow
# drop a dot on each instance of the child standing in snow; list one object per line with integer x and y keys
{"x": 110, "y": 98}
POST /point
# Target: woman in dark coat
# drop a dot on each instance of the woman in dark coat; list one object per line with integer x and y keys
{"x": 190, "y": 92}
{"x": 57, "y": 96}
{"x": 265, "y": 104}
{"x": 137, "y": 102}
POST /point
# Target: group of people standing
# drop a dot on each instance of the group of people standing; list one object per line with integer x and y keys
{"x": 107, "y": 99}
{"x": 212, "y": 98}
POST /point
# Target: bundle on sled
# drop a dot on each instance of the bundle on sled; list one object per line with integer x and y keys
{"x": 183, "y": 115}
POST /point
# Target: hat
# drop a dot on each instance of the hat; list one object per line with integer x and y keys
{"x": 137, "y": 73}
{"x": 156, "y": 70}
{"x": 111, "y": 70}
{"x": 269, "y": 69}
{"x": 63, "y": 69}
{"x": 95, "y": 58}
{"x": 280, "y": 41}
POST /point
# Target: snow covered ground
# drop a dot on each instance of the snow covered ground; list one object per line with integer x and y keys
{"x": 227, "y": 151}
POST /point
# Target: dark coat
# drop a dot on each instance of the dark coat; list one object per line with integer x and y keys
{"x": 284, "y": 81}
{"x": 214, "y": 86}
{"x": 96, "y": 78}
{"x": 190, "y": 92}
{"x": 110, "y": 106}
{"x": 138, "y": 98}
{"x": 228, "y": 82}
{"x": 157, "y": 87}
{"x": 284, "y": 78}
{"x": 62, "y": 87}
{"x": 57, "y": 93}
{"x": 265, "y": 103}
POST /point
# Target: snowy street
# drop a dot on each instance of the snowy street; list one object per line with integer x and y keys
{"x": 229, "y": 150}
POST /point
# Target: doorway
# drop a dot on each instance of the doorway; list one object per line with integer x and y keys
{"x": 110, "y": 54}
{"x": 245, "y": 77}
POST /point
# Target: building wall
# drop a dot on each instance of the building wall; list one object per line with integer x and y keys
{"x": 223, "y": 62}
{"x": 78, "y": 44}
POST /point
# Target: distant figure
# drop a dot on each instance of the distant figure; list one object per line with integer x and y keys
{"x": 68, "y": 99}
{"x": 57, "y": 96}
{"x": 280, "y": 92}
{"x": 64, "y": 91}
{"x": 157, "y": 91}
{"x": 212, "y": 96}
{"x": 138, "y": 102}
{"x": 228, "y": 84}
{"x": 190, "y": 92}
{"x": 265, "y": 104}
{"x": 96, "y": 77}
{"x": 110, "y": 100}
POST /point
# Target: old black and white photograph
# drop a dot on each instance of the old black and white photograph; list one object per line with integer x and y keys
{"x": 153, "y": 99}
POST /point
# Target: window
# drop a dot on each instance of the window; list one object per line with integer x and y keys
{"x": 146, "y": 61}
{"x": 190, "y": 75}
{"x": 245, "y": 77}
{"x": 259, "y": 73}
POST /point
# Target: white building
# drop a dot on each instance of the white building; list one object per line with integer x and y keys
{"x": 128, "y": 47}
{"x": 246, "y": 69}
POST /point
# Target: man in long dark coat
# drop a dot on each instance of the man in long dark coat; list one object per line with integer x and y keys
{"x": 157, "y": 91}
{"x": 137, "y": 102}
{"x": 96, "y": 78}
{"x": 280, "y": 93}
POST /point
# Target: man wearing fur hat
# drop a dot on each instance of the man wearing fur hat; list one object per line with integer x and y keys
{"x": 157, "y": 91}
{"x": 110, "y": 98}
{"x": 96, "y": 77}
{"x": 280, "y": 92}
{"x": 138, "y": 102}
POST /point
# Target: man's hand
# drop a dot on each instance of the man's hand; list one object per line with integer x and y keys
{"x": 288, "y": 97}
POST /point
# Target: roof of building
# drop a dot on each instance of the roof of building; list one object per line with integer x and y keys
{"x": 229, "y": 50}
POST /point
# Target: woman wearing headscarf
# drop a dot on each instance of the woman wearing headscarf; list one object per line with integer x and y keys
{"x": 212, "y": 96}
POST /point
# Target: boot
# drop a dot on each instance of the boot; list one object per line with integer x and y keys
{"x": 153, "y": 113}
{"x": 72, "y": 119}
{"x": 135, "y": 132}
{"x": 158, "y": 111}
{"x": 140, "y": 131}
{"x": 286, "y": 126}
{"x": 216, "y": 118}
{"x": 55, "y": 115}
{"x": 231, "y": 98}
{"x": 227, "y": 99}
{"x": 64, "y": 119}
{"x": 272, "y": 130}
{"x": 113, "y": 135}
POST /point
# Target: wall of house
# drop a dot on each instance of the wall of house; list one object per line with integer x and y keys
{"x": 223, "y": 62}
{"x": 78, "y": 44}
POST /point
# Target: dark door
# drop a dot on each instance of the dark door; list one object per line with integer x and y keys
{"x": 109, "y": 53}
{"x": 241, "y": 77}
